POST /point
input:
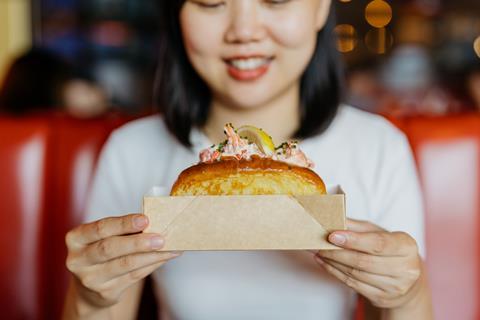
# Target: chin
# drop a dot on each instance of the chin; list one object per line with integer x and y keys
{"x": 249, "y": 104}
{"x": 250, "y": 97}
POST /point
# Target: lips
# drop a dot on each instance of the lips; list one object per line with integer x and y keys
{"x": 248, "y": 68}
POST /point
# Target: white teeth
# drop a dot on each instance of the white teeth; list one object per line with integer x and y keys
{"x": 249, "y": 64}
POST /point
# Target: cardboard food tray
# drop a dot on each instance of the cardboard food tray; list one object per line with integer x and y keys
{"x": 267, "y": 222}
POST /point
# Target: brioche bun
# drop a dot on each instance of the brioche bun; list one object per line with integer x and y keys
{"x": 258, "y": 176}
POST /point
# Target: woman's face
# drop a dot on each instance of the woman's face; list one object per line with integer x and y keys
{"x": 251, "y": 51}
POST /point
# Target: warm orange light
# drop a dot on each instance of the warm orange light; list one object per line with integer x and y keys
{"x": 379, "y": 40}
{"x": 476, "y": 46}
{"x": 346, "y": 37}
{"x": 378, "y": 13}
{"x": 345, "y": 0}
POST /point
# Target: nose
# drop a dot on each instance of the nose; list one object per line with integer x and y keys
{"x": 245, "y": 23}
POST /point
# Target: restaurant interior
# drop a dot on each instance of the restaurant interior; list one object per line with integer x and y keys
{"x": 414, "y": 62}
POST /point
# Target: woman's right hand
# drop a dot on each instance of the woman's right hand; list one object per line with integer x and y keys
{"x": 108, "y": 256}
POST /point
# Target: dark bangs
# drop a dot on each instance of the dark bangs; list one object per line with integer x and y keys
{"x": 184, "y": 98}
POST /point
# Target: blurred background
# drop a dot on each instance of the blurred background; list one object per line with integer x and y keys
{"x": 429, "y": 49}
{"x": 72, "y": 71}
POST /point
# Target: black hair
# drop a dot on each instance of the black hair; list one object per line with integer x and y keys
{"x": 34, "y": 82}
{"x": 184, "y": 98}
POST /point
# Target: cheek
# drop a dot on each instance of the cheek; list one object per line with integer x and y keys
{"x": 295, "y": 32}
{"x": 296, "y": 39}
{"x": 199, "y": 34}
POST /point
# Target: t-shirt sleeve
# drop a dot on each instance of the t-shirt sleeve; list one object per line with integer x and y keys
{"x": 398, "y": 201}
{"x": 110, "y": 186}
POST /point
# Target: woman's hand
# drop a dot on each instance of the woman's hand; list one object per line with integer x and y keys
{"x": 385, "y": 267}
{"x": 110, "y": 255}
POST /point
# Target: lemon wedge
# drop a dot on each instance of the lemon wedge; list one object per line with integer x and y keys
{"x": 259, "y": 137}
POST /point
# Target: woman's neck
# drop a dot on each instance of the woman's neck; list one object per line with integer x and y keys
{"x": 280, "y": 118}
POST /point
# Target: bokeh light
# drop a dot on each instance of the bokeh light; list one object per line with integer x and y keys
{"x": 415, "y": 29}
{"x": 346, "y": 37}
{"x": 378, "y": 13}
{"x": 476, "y": 46}
{"x": 379, "y": 40}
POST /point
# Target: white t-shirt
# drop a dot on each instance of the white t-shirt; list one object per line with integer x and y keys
{"x": 363, "y": 153}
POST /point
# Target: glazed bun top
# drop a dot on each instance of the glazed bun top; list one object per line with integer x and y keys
{"x": 257, "y": 176}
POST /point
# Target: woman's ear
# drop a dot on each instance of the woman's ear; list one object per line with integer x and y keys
{"x": 323, "y": 10}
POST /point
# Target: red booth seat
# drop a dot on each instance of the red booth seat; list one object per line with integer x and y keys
{"x": 46, "y": 163}
{"x": 24, "y": 146}
{"x": 447, "y": 151}
{"x": 77, "y": 144}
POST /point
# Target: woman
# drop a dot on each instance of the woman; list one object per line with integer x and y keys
{"x": 39, "y": 80}
{"x": 34, "y": 83}
{"x": 273, "y": 64}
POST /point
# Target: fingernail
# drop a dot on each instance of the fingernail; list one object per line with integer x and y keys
{"x": 156, "y": 242}
{"x": 338, "y": 239}
{"x": 140, "y": 222}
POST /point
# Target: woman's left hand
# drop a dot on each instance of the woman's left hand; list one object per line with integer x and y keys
{"x": 385, "y": 267}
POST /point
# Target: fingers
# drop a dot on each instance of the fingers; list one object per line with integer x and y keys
{"x": 387, "y": 266}
{"x": 114, "y": 247}
{"x": 123, "y": 282}
{"x": 378, "y": 243}
{"x": 101, "y": 229}
{"x": 380, "y": 265}
{"x": 360, "y": 287}
{"x": 106, "y": 291}
{"x": 126, "y": 264}
{"x": 382, "y": 291}
{"x": 109, "y": 255}
{"x": 378, "y": 281}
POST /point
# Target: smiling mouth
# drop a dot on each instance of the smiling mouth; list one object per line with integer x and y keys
{"x": 248, "y": 68}
{"x": 249, "y": 63}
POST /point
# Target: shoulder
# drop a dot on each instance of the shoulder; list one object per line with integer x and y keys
{"x": 139, "y": 141}
{"x": 358, "y": 138}
{"x": 365, "y": 124}
{"x": 140, "y": 134}
{"x": 144, "y": 129}
{"x": 360, "y": 129}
